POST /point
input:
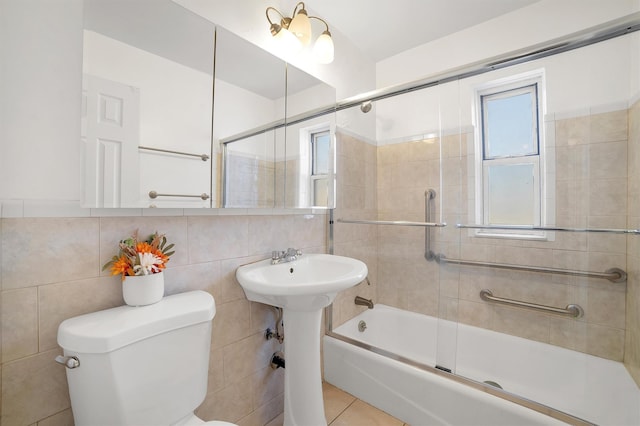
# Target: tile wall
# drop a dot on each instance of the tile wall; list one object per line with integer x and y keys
{"x": 405, "y": 172}
{"x": 591, "y": 191}
{"x": 287, "y": 177}
{"x": 257, "y": 183}
{"x": 51, "y": 270}
{"x": 251, "y": 181}
{"x": 632, "y": 342}
{"x": 356, "y": 199}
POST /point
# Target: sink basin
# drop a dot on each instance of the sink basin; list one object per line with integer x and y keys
{"x": 309, "y": 283}
{"x": 301, "y": 288}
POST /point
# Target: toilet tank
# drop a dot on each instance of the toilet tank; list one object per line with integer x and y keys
{"x": 143, "y": 365}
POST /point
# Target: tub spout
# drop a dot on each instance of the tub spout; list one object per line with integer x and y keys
{"x": 364, "y": 302}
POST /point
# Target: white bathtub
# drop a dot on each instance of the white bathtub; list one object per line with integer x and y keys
{"x": 594, "y": 389}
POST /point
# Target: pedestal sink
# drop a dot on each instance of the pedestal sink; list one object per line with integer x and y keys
{"x": 302, "y": 288}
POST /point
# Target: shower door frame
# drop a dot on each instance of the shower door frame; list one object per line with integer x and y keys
{"x": 610, "y": 30}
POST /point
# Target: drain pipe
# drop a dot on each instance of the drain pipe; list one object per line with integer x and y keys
{"x": 278, "y": 333}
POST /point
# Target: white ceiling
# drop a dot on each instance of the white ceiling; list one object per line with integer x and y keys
{"x": 379, "y": 29}
{"x": 383, "y": 28}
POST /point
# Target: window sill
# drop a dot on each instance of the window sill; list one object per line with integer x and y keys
{"x": 511, "y": 235}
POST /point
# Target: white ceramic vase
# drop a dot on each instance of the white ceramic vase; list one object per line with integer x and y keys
{"x": 141, "y": 290}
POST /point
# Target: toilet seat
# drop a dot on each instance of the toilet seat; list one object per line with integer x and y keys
{"x": 218, "y": 423}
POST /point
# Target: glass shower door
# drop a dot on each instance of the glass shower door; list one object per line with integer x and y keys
{"x": 450, "y": 208}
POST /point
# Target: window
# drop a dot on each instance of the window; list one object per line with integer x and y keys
{"x": 509, "y": 160}
{"x": 320, "y": 142}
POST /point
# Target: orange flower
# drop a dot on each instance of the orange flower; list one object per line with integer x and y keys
{"x": 140, "y": 257}
{"x": 122, "y": 266}
{"x": 145, "y": 247}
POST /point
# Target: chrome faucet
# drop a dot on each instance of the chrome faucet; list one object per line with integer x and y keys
{"x": 285, "y": 256}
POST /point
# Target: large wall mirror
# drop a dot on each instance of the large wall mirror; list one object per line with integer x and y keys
{"x": 147, "y": 89}
{"x": 309, "y": 157}
{"x": 276, "y": 153}
{"x": 249, "y": 113}
{"x": 159, "y": 130}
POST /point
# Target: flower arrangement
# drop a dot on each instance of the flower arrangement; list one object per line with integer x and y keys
{"x": 140, "y": 257}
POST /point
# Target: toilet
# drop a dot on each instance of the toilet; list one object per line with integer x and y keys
{"x": 139, "y": 366}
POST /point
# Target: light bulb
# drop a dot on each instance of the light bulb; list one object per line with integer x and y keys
{"x": 300, "y": 26}
{"x": 323, "y": 50}
{"x": 288, "y": 42}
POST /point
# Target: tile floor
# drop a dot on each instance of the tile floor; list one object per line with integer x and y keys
{"x": 344, "y": 409}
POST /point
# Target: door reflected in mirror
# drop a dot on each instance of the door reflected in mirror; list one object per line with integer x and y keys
{"x": 147, "y": 105}
{"x": 159, "y": 131}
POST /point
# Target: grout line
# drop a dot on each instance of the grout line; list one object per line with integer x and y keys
{"x": 345, "y": 409}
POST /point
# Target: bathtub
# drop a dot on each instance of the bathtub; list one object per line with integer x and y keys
{"x": 543, "y": 384}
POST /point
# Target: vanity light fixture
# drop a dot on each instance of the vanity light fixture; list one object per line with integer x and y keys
{"x": 295, "y": 33}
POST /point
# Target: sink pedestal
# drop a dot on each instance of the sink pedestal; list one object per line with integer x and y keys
{"x": 302, "y": 288}
{"x": 303, "y": 403}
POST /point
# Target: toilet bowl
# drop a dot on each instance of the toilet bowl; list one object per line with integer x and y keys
{"x": 143, "y": 365}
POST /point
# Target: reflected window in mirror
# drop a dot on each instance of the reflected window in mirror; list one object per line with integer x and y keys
{"x": 264, "y": 112}
{"x": 320, "y": 143}
{"x": 249, "y": 116}
{"x": 309, "y": 175}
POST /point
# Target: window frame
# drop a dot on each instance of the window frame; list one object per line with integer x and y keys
{"x": 313, "y": 177}
{"x": 298, "y": 141}
{"x": 533, "y": 160}
{"x": 512, "y": 84}
{"x": 531, "y": 89}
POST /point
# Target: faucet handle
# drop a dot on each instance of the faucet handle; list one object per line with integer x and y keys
{"x": 277, "y": 256}
{"x": 292, "y": 254}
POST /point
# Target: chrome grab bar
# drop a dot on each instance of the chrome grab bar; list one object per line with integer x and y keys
{"x": 426, "y": 223}
{"x": 429, "y": 195}
{"x": 549, "y": 228}
{"x": 393, "y": 222}
{"x": 154, "y": 194}
{"x": 203, "y": 157}
{"x": 615, "y": 275}
{"x": 571, "y": 310}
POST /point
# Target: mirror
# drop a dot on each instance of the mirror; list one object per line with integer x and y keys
{"x": 273, "y": 156}
{"x": 159, "y": 131}
{"x": 309, "y": 164}
{"x": 147, "y": 105}
{"x": 248, "y": 120}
